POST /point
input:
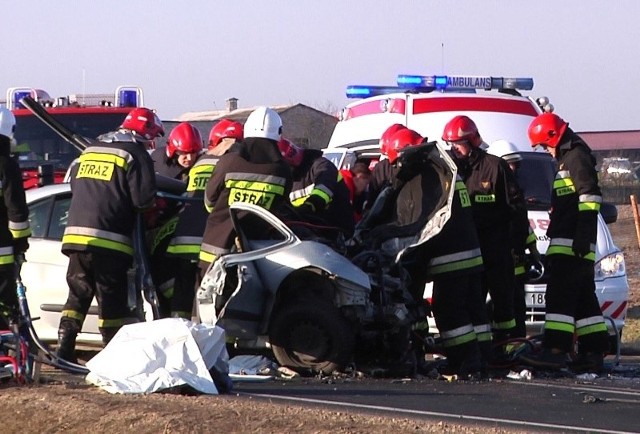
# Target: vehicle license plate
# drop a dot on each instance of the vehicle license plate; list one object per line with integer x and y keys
{"x": 535, "y": 299}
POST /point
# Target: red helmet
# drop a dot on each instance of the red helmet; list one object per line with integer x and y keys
{"x": 144, "y": 122}
{"x": 460, "y": 129}
{"x": 291, "y": 152}
{"x": 401, "y": 139}
{"x": 184, "y": 138}
{"x": 384, "y": 138}
{"x": 547, "y": 129}
{"x": 223, "y": 129}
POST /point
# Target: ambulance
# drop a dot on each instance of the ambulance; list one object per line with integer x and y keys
{"x": 501, "y": 112}
{"x": 43, "y": 155}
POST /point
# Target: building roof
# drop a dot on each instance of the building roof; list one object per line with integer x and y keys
{"x": 239, "y": 114}
{"x": 611, "y": 140}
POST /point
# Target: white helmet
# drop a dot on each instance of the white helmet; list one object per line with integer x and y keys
{"x": 7, "y": 122}
{"x": 505, "y": 150}
{"x": 263, "y": 122}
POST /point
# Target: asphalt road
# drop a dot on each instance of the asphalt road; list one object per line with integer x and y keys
{"x": 606, "y": 404}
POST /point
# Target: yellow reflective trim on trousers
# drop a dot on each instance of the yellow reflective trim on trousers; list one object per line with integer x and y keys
{"x": 590, "y": 329}
{"x": 483, "y": 337}
{"x": 168, "y": 293}
{"x": 85, "y": 240}
{"x": 207, "y": 257}
{"x": 73, "y": 314}
{"x": 504, "y": 325}
{"x": 181, "y": 249}
{"x": 588, "y": 206}
{"x": 105, "y": 158}
{"x": 562, "y": 250}
{"x": 111, "y": 323}
{"x": 23, "y": 233}
{"x": 460, "y": 340}
{"x": 459, "y": 265}
{"x": 519, "y": 270}
{"x": 559, "y": 326}
{"x": 7, "y": 259}
{"x": 254, "y": 186}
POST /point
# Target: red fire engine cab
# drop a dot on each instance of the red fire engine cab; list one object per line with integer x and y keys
{"x": 43, "y": 155}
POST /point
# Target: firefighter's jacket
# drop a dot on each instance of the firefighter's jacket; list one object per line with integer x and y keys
{"x": 576, "y": 197}
{"x": 318, "y": 186}
{"x": 14, "y": 214}
{"x": 192, "y": 218}
{"x": 381, "y": 175}
{"x": 496, "y": 198}
{"x": 456, "y": 249}
{"x": 166, "y": 166}
{"x": 110, "y": 181}
{"x": 254, "y": 173}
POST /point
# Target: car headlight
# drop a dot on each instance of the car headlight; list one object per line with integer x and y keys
{"x": 610, "y": 266}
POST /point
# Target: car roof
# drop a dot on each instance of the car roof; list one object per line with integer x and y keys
{"x": 46, "y": 191}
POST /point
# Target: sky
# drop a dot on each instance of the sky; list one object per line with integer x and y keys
{"x": 194, "y": 55}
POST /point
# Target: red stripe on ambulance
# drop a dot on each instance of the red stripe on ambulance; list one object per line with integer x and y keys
{"x": 392, "y": 105}
{"x": 430, "y": 105}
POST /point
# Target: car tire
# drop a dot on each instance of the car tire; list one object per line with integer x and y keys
{"x": 311, "y": 335}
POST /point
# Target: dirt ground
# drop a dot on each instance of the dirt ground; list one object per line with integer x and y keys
{"x": 71, "y": 406}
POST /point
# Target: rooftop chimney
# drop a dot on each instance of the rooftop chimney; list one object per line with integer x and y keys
{"x": 232, "y": 104}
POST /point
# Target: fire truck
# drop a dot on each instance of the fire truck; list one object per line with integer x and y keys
{"x": 43, "y": 155}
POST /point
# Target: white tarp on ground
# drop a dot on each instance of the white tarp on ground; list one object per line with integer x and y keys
{"x": 151, "y": 356}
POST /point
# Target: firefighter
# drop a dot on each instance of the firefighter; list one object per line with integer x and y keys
{"x": 571, "y": 302}
{"x": 184, "y": 247}
{"x": 496, "y": 203}
{"x": 14, "y": 221}
{"x": 184, "y": 145}
{"x": 176, "y": 159}
{"x": 254, "y": 173}
{"x": 382, "y": 171}
{"x": 523, "y": 239}
{"x": 453, "y": 262}
{"x": 223, "y": 136}
{"x": 111, "y": 181}
{"x": 357, "y": 178}
{"x": 319, "y": 195}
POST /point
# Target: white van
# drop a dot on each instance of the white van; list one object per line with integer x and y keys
{"x": 425, "y": 104}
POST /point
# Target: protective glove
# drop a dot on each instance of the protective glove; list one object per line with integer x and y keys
{"x": 581, "y": 247}
{"x": 20, "y": 245}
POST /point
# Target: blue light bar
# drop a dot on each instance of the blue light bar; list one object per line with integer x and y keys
{"x": 358, "y": 91}
{"x": 18, "y": 95}
{"x": 463, "y": 82}
{"x": 128, "y": 98}
{"x": 409, "y": 80}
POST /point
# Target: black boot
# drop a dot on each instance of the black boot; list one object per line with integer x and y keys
{"x": 108, "y": 333}
{"x": 67, "y": 342}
